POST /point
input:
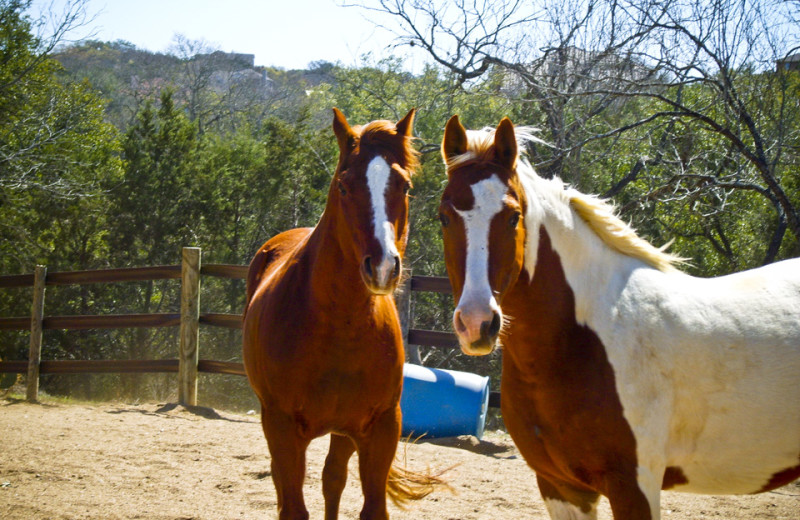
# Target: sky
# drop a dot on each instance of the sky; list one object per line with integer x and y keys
{"x": 280, "y": 33}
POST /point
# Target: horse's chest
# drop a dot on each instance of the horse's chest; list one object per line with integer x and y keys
{"x": 343, "y": 400}
{"x": 332, "y": 376}
{"x": 331, "y": 364}
{"x": 565, "y": 415}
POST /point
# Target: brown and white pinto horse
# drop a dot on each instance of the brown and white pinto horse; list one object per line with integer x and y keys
{"x": 322, "y": 343}
{"x": 622, "y": 376}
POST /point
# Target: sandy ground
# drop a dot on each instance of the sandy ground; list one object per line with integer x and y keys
{"x": 151, "y": 461}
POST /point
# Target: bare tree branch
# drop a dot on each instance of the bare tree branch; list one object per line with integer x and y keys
{"x": 579, "y": 59}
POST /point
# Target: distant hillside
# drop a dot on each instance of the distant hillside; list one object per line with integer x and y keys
{"x": 127, "y": 76}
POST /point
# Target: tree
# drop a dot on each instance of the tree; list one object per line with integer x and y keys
{"x": 152, "y": 216}
{"x": 220, "y": 90}
{"x": 154, "y": 213}
{"x": 124, "y": 75}
{"x": 727, "y": 51}
{"x": 700, "y": 68}
{"x": 57, "y": 158}
{"x": 40, "y": 116}
{"x": 55, "y": 150}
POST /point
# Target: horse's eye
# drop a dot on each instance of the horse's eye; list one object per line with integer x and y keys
{"x": 342, "y": 189}
{"x": 514, "y": 220}
{"x": 444, "y": 219}
{"x": 406, "y": 188}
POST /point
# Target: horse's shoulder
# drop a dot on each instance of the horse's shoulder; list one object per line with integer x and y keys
{"x": 272, "y": 250}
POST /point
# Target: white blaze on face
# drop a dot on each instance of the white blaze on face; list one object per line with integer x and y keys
{"x": 477, "y": 300}
{"x": 378, "y": 174}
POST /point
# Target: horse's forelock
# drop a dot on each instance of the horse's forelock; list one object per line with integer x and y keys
{"x": 480, "y": 145}
{"x": 384, "y": 134}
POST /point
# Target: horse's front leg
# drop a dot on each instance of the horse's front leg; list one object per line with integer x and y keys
{"x": 636, "y": 498}
{"x": 564, "y": 502}
{"x": 376, "y": 451}
{"x": 288, "y": 452}
{"x": 334, "y": 475}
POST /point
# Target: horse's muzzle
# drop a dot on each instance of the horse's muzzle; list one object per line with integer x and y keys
{"x": 479, "y": 348}
{"x": 382, "y": 277}
{"x": 477, "y": 333}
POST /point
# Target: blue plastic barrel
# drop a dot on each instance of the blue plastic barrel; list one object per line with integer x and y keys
{"x": 443, "y": 403}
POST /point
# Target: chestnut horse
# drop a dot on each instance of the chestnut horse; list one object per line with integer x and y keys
{"x": 322, "y": 343}
{"x": 622, "y": 376}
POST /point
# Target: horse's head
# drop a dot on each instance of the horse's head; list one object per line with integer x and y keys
{"x": 370, "y": 190}
{"x": 484, "y": 233}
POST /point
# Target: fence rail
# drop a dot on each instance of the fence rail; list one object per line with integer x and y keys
{"x": 187, "y": 365}
{"x": 123, "y": 274}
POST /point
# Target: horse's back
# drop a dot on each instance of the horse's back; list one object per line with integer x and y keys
{"x": 754, "y": 309}
{"x": 261, "y": 312}
{"x": 757, "y": 309}
{"x": 779, "y": 281}
{"x": 726, "y": 353}
{"x": 269, "y": 254}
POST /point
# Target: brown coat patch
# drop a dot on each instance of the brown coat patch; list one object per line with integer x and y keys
{"x": 559, "y": 396}
{"x": 781, "y": 478}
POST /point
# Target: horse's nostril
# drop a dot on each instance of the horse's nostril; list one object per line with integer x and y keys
{"x": 460, "y": 326}
{"x": 368, "y": 266}
{"x": 492, "y": 328}
{"x": 397, "y": 267}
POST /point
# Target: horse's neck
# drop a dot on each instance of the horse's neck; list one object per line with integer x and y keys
{"x": 334, "y": 272}
{"x": 593, "y": 271}
{"x": 540, "y": 308}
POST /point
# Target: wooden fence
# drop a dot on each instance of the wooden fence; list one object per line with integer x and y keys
{"x": 188, "y": 363}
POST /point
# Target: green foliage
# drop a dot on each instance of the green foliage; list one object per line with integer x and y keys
{"x": 116, "y": 157}
{"x": 153, "y": 210}
{"x": 696, "y": 187}
{"x": 55, "y": 154}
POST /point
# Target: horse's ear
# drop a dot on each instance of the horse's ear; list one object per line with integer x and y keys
{"x": 505, "y": 144}
{"x": 454, "y": 142}
{"x": 406, "y": 125}
{"x": 344, "y": 134}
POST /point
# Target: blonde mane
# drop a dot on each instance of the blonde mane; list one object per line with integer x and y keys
{"x": 598, "y": 214}
{"x": 601, "y": 218}
{"x": 480, "y": 146}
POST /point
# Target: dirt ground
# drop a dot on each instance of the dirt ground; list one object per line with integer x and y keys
{"x": 151, "y": 461}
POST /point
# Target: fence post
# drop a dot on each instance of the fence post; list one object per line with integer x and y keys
{"x": 403, "y": 301}
{"x": 190, "y": 326}
{"x": 37, "y": 314}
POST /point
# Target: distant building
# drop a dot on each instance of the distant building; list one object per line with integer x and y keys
{"x": 574, "y": 69}
{"x": 232, "y": 69}
{"x": 788, "y": 63}
{"x": 231, "y": 59}
{"x": 221, "y": 80}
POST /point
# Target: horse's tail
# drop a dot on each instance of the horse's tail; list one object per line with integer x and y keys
{"x": 406, "y": 485}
